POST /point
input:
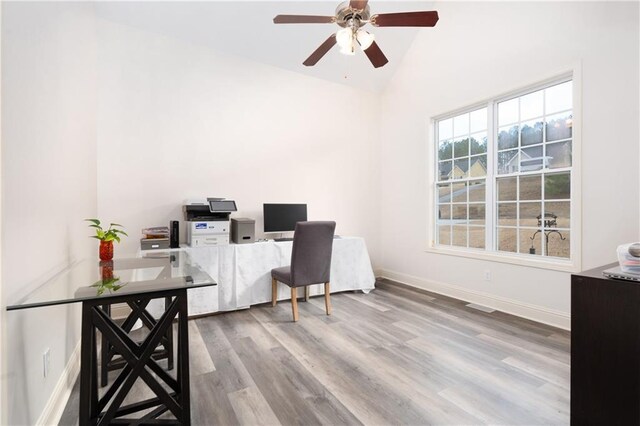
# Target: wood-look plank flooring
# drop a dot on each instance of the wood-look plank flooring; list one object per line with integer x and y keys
{"x": 394, "y": 356}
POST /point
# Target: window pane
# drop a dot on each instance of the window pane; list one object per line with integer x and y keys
{"x": 529, "y": 246}
{"x": 476, "y": 214}
{"x": 459, "y": 212}
{"x": 508, "y": 161}
{"x": 559, "y": 154}
{"x": 444, "y": 213}
{"x": 559, "y": 247}
{"x": 531, "y": 105}
{"x": 479, "y": 143}
{"x": 508, "y": 112}
{"x": 532, "y": 132}
{"x": 507, "y": 214}
{"x": 444, "y": 193}
{"x": 561, "y": 209}
{"x": 478, "y": 120}
{"x": 461, "y": 125}
{"x": 529, "y": 213}
{"x": 444, "y": 235}
{"x": 476, "y": 236}
{"x": 445, "y": 129}
{"x": 507, "y": 239}
{"x": 559, "y": 126}
{"x": 531, "y": 159}
{"x": 459, "y": 192}
{"x": 507, "y": 188}
{"x": 461, "y": 148}
{"x": 559, "y": 97}
{"x": 478, "y": 166}
{"x": 477, "y": 190}
{"x": 508, "y": 137}
{"x": 444, "y": 170}
{"x": 459, "y": 236}
{"x": 531, "y": 187}
{"x": 557, "y": 186}
{"x": 445, "y": 150}
{"x": 461, "y": 168}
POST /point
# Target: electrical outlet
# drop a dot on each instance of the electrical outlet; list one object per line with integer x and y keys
{"x": 487, "y": 275}
{"x": 46, "y": 362}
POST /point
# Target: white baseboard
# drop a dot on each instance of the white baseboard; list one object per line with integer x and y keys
{"x": 57, "y": 402}
{"x": 514, "y": 307}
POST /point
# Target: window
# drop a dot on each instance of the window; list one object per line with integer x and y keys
{"x": 504, "y": 172}
{"x": 462, "y": 171}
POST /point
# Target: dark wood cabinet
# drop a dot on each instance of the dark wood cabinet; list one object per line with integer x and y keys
{"x": 605, "y": 350}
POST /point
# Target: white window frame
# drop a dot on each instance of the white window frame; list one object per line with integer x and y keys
{"x": 574, "y": 263}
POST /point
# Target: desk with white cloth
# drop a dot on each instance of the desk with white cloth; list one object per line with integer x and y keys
{"x": 243, "y": 272}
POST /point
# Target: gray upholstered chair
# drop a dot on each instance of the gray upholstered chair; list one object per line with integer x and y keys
{"x": 310, "y": 263}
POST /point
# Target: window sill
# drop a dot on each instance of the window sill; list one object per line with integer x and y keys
{"x": 514, "y": 259}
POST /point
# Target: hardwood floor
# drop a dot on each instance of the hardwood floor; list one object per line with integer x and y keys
{"x": 394, "y": 356}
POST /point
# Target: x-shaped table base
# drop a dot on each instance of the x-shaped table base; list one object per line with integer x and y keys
{"x": 172, "y": 395}
{"x": 109, "y": 359}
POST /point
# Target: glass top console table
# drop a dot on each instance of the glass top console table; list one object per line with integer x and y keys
{"x": 97, "y": 285}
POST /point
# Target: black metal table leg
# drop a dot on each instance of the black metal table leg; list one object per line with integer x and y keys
{"x": 168, "y": 344}
{"x": 183, "y": 359}
{"x": 104, "y": 354}
{"x": 88, "y": 381}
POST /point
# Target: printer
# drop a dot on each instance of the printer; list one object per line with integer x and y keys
{"x": 208, "y": 222}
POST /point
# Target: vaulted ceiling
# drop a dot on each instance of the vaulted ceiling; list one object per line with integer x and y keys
{"x": 246, "y": 29}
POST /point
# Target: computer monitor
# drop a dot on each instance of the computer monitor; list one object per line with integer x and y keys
{"x": 283, "y": 217}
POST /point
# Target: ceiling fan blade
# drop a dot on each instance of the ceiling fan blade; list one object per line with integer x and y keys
{"x": 375, "y": 55}
{"x": 358, "y": 4}
{"x": 303, "y": 19}
{"x": 406, "y": 19}
{"x": 321, "y": 51}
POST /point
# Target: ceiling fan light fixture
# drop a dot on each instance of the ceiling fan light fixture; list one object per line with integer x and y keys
{"x": 365, "y": 39}
{"x": 349, "y": 51}
{"x": 344, "y": 38}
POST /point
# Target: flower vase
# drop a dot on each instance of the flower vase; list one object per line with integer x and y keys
{"x": 106, "y": 250}
{"x": 106, "y": 270}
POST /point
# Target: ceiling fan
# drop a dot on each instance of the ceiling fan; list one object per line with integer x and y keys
{"x": 352, "y": 16}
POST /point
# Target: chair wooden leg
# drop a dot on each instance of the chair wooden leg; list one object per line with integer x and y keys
{"x": 274, "y": 292}
{"x": 306, "y": 293}
{"x": 294, "y": 303}
{"x": 327, "y": 297}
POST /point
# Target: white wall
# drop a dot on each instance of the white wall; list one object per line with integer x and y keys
{"x": 48, "y": 185}
{"x": 481, "y": 50}
{"x": 178, "y": 121}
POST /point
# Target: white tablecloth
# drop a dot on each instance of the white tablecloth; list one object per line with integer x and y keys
{"x": 243, "y": 273}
